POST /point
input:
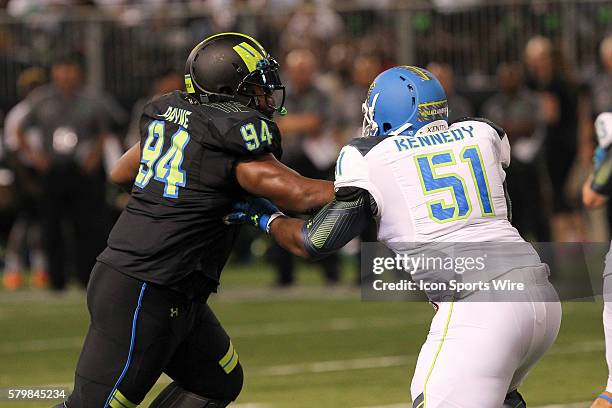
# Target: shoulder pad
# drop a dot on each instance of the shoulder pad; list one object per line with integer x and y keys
{"x": 249, "y": 135}
{"x": 225, "y": 115}
{"x": 365, "y": 144}
{"x": 500, "y": 131}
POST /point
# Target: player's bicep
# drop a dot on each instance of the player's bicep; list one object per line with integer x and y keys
{"x": 267, "y": 177}
{"x": 262, "y": 176}
{"x": 352, "y": 171}
{"x": 253, "y": 137}
{"x": 125, "y": 170}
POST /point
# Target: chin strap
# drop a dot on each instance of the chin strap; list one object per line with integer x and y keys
{"x": 400, "y": 129}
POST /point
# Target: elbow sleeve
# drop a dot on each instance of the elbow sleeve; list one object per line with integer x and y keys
{"x": 338, "y": 222}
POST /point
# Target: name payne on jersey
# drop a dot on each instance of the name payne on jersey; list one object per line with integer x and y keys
{"x": 177, "y": 115}
{"x": 448, "y": 136}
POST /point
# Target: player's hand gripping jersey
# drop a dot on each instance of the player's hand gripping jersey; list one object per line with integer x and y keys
{"x": 185, "y": 185}
{"x": 442, "y": 184}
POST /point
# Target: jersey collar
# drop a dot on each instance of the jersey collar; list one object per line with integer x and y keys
{"x": 435, "y": 126}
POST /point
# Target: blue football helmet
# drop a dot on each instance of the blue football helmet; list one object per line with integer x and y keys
{"x": 402, "y": 100}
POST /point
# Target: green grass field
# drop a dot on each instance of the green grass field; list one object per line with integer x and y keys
{"x": 309, "y": 347}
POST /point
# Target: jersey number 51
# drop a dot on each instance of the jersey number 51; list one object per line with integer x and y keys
{"x": 433, "y": 183}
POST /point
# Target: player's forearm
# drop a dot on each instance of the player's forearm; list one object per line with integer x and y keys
{"x": 300, "y": 194}
{"x": 286, "y": 188}
{"x": 287, "y": 232}
{"x": 310, "y": 194}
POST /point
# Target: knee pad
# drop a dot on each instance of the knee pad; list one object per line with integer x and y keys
{"x": 514, "y": 400}
{"x": 173, "y": 396}
{"x": 234, "y": 384}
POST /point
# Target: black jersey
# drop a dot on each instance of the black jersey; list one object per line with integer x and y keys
{"x": 171, "y": 232}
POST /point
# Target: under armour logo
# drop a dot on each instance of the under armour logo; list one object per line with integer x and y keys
{"x": 174, "y": 311}
{"x": 254, "y": 218}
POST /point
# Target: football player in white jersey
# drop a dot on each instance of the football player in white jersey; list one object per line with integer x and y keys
{"x": 595, "y": 193}
{"x": 424, "y": 181}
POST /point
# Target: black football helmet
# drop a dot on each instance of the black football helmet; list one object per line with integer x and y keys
{"x": 234, "y": 66}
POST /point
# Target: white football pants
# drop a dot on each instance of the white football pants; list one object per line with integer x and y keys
{"x": 607, "y": 315}
{"x": 478, "y": 351}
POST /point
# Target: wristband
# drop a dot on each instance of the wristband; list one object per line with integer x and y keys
{"x": 270, "y": 218}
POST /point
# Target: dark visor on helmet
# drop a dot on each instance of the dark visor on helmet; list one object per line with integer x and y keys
{"x": 265, "y": 77}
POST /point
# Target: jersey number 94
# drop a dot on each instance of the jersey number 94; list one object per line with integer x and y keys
{"x": 166, "y": 167}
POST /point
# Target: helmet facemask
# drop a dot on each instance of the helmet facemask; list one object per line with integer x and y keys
{"x": 260, "y": 87}
{"x": 369, "y": 128}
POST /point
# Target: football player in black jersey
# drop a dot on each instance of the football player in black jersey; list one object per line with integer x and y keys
{"x": 200, "y": 151}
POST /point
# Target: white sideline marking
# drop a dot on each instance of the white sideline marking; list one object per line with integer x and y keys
{"x": 313, "y": 326}
{"x": 582, "y": 347}
{"x": 25, "y": 313}
{"x": 334, "y": 365}
{"x": 275, "y": 329}
{"x": 233, "y": 295}
{"x": 388, "y": 406}
{"x": 242, "y": 331}
{"x": 32, "y": 346}
{"x": 571, "y": 405}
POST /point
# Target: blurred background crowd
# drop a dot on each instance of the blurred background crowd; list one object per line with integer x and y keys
{"x": 75, "y": 74}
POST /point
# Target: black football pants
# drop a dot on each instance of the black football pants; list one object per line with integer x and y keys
{"x": 138, "y": 331}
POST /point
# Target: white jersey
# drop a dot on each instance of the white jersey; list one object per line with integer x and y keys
{"x": 444, "y": 184}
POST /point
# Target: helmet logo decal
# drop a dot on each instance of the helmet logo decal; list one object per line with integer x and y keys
{"x": 401, "y": 129}
{"x": 189, "y": 84}
{"x": 428, "y": 112}
{"x": 249, "y": 55}
{"x": 421, "y": 73}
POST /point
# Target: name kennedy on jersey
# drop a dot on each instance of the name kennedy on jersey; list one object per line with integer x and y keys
{"x": 448, "y": 136}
